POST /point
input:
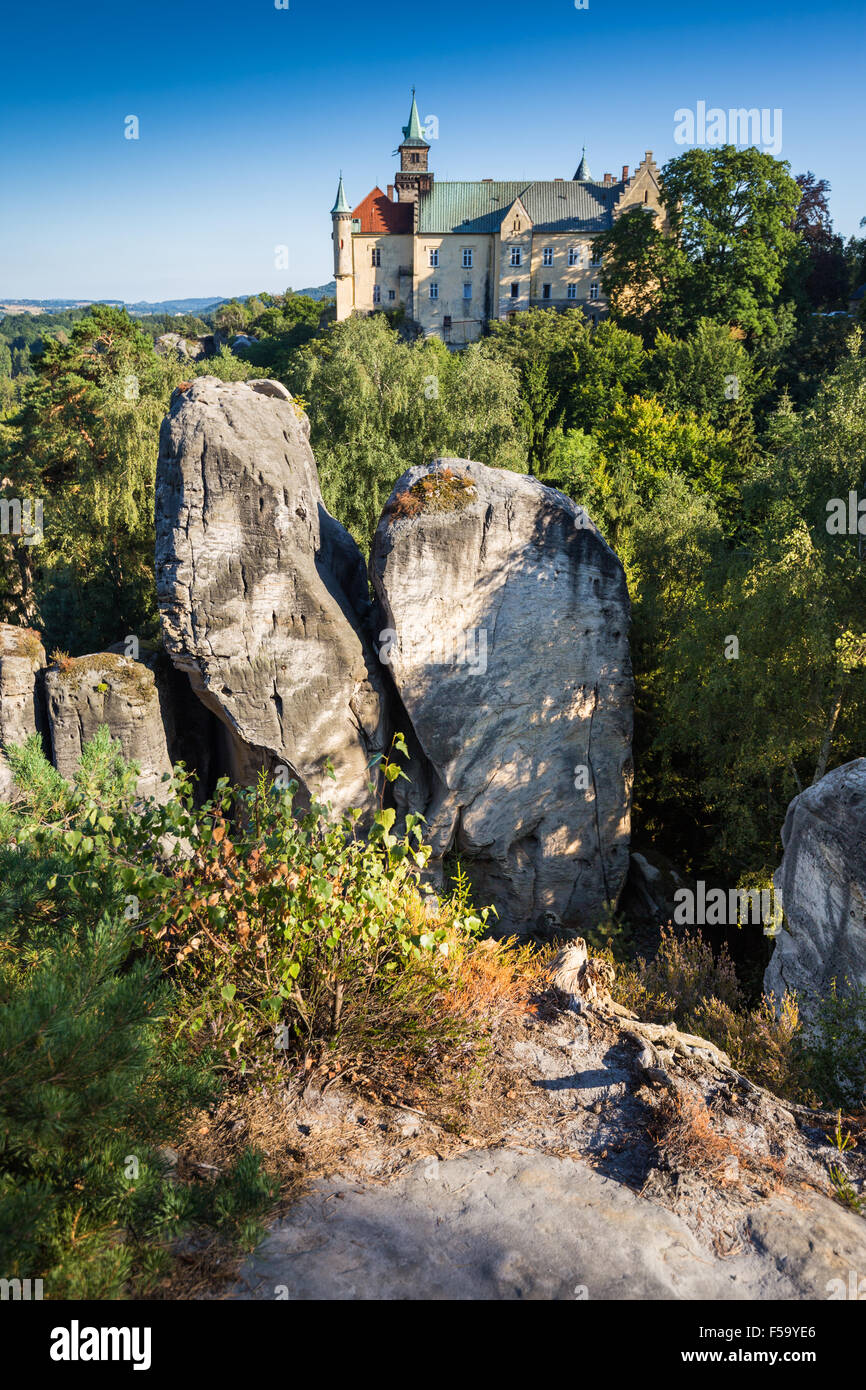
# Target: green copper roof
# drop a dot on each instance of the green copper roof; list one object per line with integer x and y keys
{"x": 412, "y": 133}
{"x": 558, "y": 205}
{"x": 341, "y": 204}
{"x": 582, "y": 171}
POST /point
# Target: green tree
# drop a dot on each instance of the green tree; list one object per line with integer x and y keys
{"x": 641, "y": 271}
{"x": 731, "y": 213}
{"x": 378, "y": 405}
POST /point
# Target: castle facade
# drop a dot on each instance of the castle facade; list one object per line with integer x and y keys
{"x": 456, "y": 255}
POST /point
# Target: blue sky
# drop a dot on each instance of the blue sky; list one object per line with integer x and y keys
{"x": 248, "y": 112}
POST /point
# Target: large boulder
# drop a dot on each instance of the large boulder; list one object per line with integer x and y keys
{"x": 107, "y": 688}
{"x": 504, "y": 619}
{"x": 22, "y": 660}
{"x": 822, "y": 886}
{"x": 262, "y": 593}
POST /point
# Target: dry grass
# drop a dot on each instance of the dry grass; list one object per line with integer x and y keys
{"x": 688, "y": 1141}
{"x": 443, "y": 490}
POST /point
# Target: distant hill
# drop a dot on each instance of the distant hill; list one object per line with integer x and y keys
{"x": 146, "y": 306}
{"x": 328, "y": 291}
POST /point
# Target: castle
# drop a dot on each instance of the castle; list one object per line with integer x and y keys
{"x": 454, "y": 256}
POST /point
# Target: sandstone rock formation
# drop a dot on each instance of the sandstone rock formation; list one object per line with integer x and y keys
{"x": 107, "y": 688}
{"x": 22, "y": 658}
{"x": 262, "y": 593}
{"x": 822, "y": 885}
{"x": 504, "y": 619}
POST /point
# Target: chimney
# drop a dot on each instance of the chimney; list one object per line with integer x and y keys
{"x": 625, "y": 173}
{"x": 648, "y": 156}
{"x": 608, "y": 180}
{"x": 390, "y": 192}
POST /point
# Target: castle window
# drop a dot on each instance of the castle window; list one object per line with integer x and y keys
{"x": 516, "y": 255}
{"x": 515, "y": 289}
{"x": 467, "y": 291}
{"x": 392, "y": 294}
{"x": 434, "y": 256}
{"x": 595, "y": 258}
{"x": 547, "y": 256}
{"x": 434, "y": 290}
{"x": 376, "y": 255}
{"x": 467, "y": 257}
{"x": 377, "y": 295}
{"x": 516, "y": 228}
{"x": 545, "y": 291}
{"x": 593, "y": 291}
{"x": 574, "y": 255}
{"x": 413, "y": 159}
{"x": 572, "y": 292}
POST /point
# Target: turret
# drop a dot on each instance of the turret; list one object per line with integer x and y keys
{"x": 582, "y": 174}
{"x": 413, "y": 177}
{"x": 341, "y": 222}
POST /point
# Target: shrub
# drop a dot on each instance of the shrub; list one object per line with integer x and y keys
{"x": 832, "y": 1054}
{"x": 91, "y": 1080}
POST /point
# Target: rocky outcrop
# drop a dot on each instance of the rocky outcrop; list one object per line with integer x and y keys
{"x": 504, "y": 620}
{"x": 22, "y": 659}
{"x": 89, "y": 691}
{"x": 822, "y": 885}
{"x": 262, "y": 593}
{"x": 188, "y": 349}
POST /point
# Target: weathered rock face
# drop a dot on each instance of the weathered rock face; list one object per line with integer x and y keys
{"x": 262, "y": 593}
{"x": 505, "y": 622}
{"x": 193, "y": 735}
{"x": 108, "y": 689}
{"x": 822, "y": 885}
{"x": 22, "y": 659}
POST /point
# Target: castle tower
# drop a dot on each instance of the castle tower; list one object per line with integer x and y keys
{"x": 581, "y": 173}
{"x": 413, "y": 176}
{"x": 341, "y": 235}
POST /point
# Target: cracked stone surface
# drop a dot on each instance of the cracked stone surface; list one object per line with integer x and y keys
{"x": 106, "y": 688}
{"x": 504, "y": 619}
{"x": 506, "y": 1224}
{"x": 22, "y": 659}
{"x": 822, "y": 886}
{"x": 262, "y": 593}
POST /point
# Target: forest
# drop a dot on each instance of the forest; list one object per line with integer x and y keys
{"x": 714, "y": 427}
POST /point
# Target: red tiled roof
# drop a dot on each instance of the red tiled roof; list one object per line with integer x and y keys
{"x": 379, "y": 216}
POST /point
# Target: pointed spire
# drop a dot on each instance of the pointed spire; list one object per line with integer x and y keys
{"x": 341, "y": 205}
{"x": 413, "y": 133}
{"x": 582, "y": 173}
